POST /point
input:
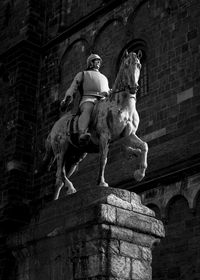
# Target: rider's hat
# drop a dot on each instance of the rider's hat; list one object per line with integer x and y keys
{"x": 93, "y": 57}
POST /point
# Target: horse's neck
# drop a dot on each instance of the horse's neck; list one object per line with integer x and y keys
{"x": 120, "y": 91}
{"x": 119, "y": 81}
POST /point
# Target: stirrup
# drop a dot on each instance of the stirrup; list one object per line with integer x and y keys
{"x": 84, "y": 137}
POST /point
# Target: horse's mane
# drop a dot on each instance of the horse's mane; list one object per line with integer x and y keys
{"x": 123, "y": 73}
{"x": 118, "y": 81}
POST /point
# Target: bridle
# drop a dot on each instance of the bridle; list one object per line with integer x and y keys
{"x": 131, "y": 90}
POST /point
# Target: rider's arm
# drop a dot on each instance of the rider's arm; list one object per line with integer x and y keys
{"x": 74, "y": 86}
{"x": 107, "y": 91}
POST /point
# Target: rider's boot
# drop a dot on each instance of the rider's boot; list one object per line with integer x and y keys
{"x": 84, "y": 137}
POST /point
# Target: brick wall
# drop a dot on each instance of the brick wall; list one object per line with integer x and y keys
{"x": 44, "y": 44}
{"x": 19, "y": 122}
{"x": 169, "y": 112}
{"x": 177, "y": 205}
{"x": 63, "y": 15}
{"x": 172, "y": 104}
{"x": 21, "y": 58}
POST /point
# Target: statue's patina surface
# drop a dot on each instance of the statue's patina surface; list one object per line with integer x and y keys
{"x": 114, "y": 118}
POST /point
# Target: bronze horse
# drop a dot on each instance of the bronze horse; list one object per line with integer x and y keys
{"x": 114, "y": 118}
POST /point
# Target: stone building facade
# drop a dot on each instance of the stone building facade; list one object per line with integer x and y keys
{"x": 43, "y": 45}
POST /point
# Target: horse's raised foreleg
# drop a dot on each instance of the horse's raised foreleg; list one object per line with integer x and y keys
{"x": 134, "y": 145}
{"x": 140, "y": 148}
{"x": 130, "y": 152}
{"x": 103, "y": 148}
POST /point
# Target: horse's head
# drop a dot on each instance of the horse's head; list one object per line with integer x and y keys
{"x": 132, "y": 67}
{"x": 129, "y": 72}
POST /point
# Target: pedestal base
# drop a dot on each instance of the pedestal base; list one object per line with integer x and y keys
{"x": 97, "y": 233}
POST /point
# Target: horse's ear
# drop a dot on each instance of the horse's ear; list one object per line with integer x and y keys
{"x": 139, "y": 54}
{"x": 124, "y": 56}
{"x": 126, "y": 53}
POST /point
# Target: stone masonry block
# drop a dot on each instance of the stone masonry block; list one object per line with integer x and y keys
{"x": 106, "y": 214}
{"x": 89, "y": 266}
{"x": 143, "y": 223}
{"x": 120, "y": 266}
{"x": 131, "y": 236}
{"x": 101, "y": 233}
{"x": 135, "y": 251}
{"x": 141, "y": 270}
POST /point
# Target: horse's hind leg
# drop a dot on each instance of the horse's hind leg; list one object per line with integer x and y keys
{"x": 59, "y": 176}
{"x": 59, "y": 151}
{"x": 69, "y": 170}
{"x": 57, "y": 191}
{"x": 103, "y": 160}
{"x": 68, "y": 184}
{"x": 47, "y": 158}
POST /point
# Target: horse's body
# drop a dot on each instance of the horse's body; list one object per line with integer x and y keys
{"x": 113, "y": 119}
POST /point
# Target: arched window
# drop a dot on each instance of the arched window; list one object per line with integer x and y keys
{"x": 140, "y": 46}
{"x": 143, "y": 82}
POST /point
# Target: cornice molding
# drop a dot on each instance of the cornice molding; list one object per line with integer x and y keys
{"x": 69, "y": 31}
{"x": 84, "y": 22}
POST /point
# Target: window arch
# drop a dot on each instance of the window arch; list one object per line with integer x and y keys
{"x": 156, "y": 209}
{"x": 136, "y": 46}
{"x": 177, "y": 210}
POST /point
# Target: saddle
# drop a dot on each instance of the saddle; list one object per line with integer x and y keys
{"x": 73, "y": 134}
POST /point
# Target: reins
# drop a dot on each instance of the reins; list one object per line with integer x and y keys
{"x": 132, "y": 91}
{"x": 119, "y": 86}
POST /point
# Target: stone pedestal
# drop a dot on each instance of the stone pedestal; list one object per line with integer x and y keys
{"x": 97, "y": 233}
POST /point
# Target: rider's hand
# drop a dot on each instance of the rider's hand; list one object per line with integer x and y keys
{"x": 68, "y": 100}
{"x": 65, "y": 103}
{"x": 105, "y": 93}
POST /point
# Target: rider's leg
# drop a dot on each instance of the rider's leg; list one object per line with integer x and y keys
{"x": 84, "y": 119}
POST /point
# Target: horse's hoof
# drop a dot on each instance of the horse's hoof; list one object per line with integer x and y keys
{"x": 70, "y": 191}
{"x": 104, "y": 184}
{"x": 138, "y": 175}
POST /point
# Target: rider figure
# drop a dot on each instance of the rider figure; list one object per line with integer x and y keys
{"x": 94, "y": 87}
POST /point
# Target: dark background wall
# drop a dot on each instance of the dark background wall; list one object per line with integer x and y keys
{"x": 43, "y": 45}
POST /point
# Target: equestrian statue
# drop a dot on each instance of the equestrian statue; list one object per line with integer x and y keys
{"x": 105, "y": 116}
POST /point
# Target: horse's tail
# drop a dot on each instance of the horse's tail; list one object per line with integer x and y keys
{"x": 47, "y": 160}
